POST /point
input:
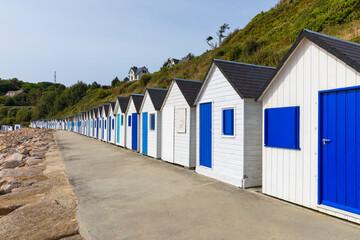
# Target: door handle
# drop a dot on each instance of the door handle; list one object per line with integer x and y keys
{"x": 325, "y": 140}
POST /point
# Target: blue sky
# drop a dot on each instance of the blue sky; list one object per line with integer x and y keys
{"x": 96, "y": 40}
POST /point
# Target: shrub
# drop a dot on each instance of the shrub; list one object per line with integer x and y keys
{"x": 101, "y": 94}
{"x": 235, "y": 53}
{"x": 145, "y": 79}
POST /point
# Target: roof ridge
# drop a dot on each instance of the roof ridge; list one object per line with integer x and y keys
{"x": 331, "y": 37}
{"x": 241, "y": 63}
{"x": 188, "y": 80}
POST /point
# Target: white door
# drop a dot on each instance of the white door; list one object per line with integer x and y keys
{"x": 167, "y": 139}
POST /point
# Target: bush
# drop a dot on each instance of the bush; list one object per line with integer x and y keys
{"x": 101, "y": 94}
{"x": 235, "y": 53}
{"x": 9, "y": 102}
{"x": 145, "y": 79}
{"x": 23, "y": 115}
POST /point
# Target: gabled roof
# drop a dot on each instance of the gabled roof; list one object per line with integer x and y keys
{"x": 157, "y": 96}
{"x": 137, "y": 98}
{"x": 123, "y": 103}
{"x": 100, "y": 110}
{"x": 246, "y": 79}
{"x": 137, "y": 70}
{"x": 348, "y": 52}
{"x": 106, "y": 108}
{"x": 189, "y": 88}
{"x": 112, "y": 105}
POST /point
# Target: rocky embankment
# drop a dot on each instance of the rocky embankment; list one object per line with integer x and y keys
{"x": 36, "y": 200}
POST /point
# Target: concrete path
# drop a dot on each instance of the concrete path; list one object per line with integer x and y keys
{"x": 123, "y": 195}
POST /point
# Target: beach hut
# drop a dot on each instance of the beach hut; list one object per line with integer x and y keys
{"x": 150, "y": 123}
{"x": 95, "y": 123}
{"x": 105, "y": 122}
{"x": 111, "y": 124}
{"x": 311, "y": 135}
{"x": 91, "y": 123}
{"x": 229, "y": 123}
{"x": 100, "y": 123}
{"x": 178, "y": 113}
{"x": 121, "y": 104}
{"x": 133, "y": 122}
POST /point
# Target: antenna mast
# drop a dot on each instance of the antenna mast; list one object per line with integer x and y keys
{"x": 55, "y": 77}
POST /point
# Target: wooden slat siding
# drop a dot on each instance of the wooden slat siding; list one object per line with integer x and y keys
{"x": 228, "y": 153}
{"x": 252, "y": 143}
{"x": 152, "y": 135}
{"x": 131, "y": 110}
{"x": 290, "y": 174}
{"x": 158, "y": 127}
{"x": 192, "y": 137}
{"x": 181, "y": 147}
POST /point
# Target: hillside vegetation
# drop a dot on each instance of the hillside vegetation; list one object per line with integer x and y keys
{"x": 264, "y": 41}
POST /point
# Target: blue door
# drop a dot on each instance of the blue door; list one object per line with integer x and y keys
{"x": 102, "y": 128}
{"x": 145, "y": 133}
{"x": 205, "y": 134}
{"x": 134, "y": 128}
{"x": 97, "y": 127}
{"x": 109, "y": 129}
{"x": 118, "y": 129}
{"x": 339, "y": 149}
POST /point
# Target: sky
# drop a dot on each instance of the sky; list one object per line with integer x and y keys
{"x": 97, "y": 40}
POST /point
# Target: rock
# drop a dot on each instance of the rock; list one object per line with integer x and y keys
{"x": 15, "y": 157}
{"x": 37, "y": 153}
{"x": 28, "y": 171}
{"x": 33, "y": 161}
{"x": 41, "y": 220}
{"x": 10, "y": 164}
{"x": 75, "y": 237}
{"x": 6, "y": 188}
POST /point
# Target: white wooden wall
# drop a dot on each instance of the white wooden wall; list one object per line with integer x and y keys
{"x": 293, "y": 174}
{"x": 130, "y": 111}
{"x": 153, "y": 140}
{"x": 103, "y": 116}
{"x": 113, "y": 131}
{"x": 228, "y": 152}
{"x": 252, "y": 143}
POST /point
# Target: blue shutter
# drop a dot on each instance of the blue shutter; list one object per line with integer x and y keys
{"x": 228, "y": 122}
{"x": 281, "y": 128}
{"x": 129, "y": 121}
{"x": 152, "y": 122}
{"x": 122, "y": 120}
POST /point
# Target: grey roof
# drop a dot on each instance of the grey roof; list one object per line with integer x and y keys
{"x": 189, "y": 88}
{"x": 157, "y": 96}
{"x": 248, "y": 80}
{"x": 348, "y": 52}
{"x": 123, "y": 102}
{"x": 95, "y": 111}
{"x": 112, "y": 104}
{"x": 100, "y": 110}
{"x": 106, "y": 108}
{"x": 137, "y": 98}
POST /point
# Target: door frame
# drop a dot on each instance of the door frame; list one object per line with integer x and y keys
{"x": 320, "y": 128}
{"x": 147, "y": 132}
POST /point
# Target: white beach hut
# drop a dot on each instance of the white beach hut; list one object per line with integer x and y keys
{"x": 178, "y": 133}
{"x": 133, "y": 122}
{"x": 105, "y": 122}
{"x": 150, "y": 123}
{"x": 229, "y": 123}
{"x": 312, "y": 126}
{"x": 121, "y": 104}
{"x": 111, "y": 124}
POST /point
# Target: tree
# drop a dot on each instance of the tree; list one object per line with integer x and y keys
{"x": 126, "y": 79}
{"x": 9, "y": 102}
{"x": 212, "y": 45}
{"x": 95, "y": 85}
{"x": 115, "y": 81}
{"x": 220, "y": 34}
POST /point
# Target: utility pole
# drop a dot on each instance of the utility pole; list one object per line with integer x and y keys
{"x": 55, "y": 77}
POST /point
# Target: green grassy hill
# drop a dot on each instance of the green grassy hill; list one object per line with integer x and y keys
{"x": 264, "y": 41}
